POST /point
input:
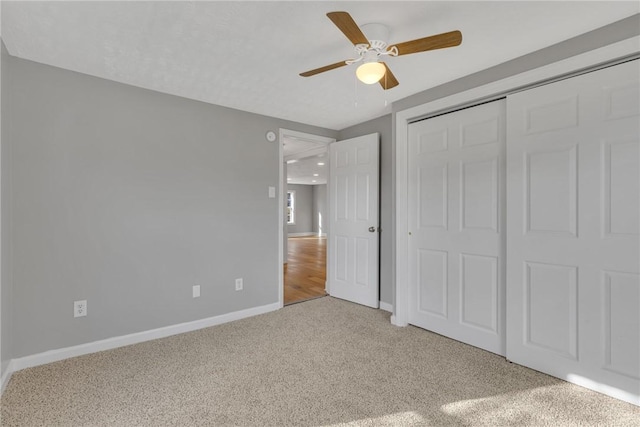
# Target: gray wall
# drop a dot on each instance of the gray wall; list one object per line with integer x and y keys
{"x": 320, "y": 209}
{"x": 5, "y": 226}
{"x": 303, "y": 209}
{"x": 128, "y": 197}
{"x": 382, "y": 125}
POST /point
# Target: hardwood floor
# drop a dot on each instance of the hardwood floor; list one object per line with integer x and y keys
{"x": 305, "y": 273}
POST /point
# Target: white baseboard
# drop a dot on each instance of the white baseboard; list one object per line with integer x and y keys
{"x": 6, "y": 376}
{"x": 304, "y": 234}
{"x": 138, "y": 337}
{"x": 386, "y": 306}
{"x": 395, "y": 322}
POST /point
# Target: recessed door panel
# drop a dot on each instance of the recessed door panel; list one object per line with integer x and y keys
{"x": 341, "y": 197}
{"x": 363, "y": 155}
{"x": 362, "y": 261}
{"x": 432, "y": 282}
{"x": 622, "y": 187}
{"x": 432, "y": 193}
{"x": 341, "y": 159}
{"x": 479, "y": 290}
{"x": 552, "y": 115}
{"x": 622, "y": 323}
{"x": 622, "y": 101}
{"x": 341, "y": 253}
{"x": 483, "y": 132}
{"x": 551, "y": 308}
{"x": 552, "y": 191}
{"x": 433, "y": 142}
{"x": 479, "y": 194}
{"x": 362, "y": 196}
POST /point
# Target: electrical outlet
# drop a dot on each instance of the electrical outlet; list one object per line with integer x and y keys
{"x": 196, "y": 291}
{"x": 80, "y": 308}
{"x": 239, "y": 284}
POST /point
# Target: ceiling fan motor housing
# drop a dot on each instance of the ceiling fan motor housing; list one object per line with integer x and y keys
{"x": 377, "y": 34}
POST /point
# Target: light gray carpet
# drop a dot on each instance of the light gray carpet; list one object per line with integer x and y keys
{"x": 322, "y": 362}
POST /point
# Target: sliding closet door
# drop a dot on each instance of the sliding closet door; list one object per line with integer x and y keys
{"x": 456, "y": 189}
{"x": 573, "y": 203}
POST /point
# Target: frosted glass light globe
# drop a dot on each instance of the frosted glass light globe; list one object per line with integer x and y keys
{"x": 370, "y": 72}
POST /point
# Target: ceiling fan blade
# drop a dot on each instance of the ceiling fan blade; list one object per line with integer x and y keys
{"x": 439, "y": 41}
{"x": 323, "y": 69}
{"x": 348, "y": 26}
{"x": 388, "y": 81}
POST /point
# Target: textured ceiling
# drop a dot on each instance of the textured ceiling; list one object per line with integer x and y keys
{"x": 308, "y": 170}
{"x": 307, "y": 160}
{"x": 247, "y": 55}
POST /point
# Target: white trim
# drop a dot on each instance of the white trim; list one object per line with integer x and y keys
{"x": 403, "y": 118}
{"x": 321, "y": 141}
{"x": 304, "y": 234}
{"x": 327, "y": 210}
{"x": 394, "y": 322}
{"x": 6, "y": 376}
{"x": 308, "y": 136}
{"x": 124, "y": 340}
{"x": 280, "y": 198}
{"x": 385, "y": 306}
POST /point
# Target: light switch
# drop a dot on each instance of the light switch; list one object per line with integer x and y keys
{"x": 272, "y": 192}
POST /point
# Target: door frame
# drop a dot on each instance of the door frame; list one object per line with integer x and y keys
{"x": 283, "y": 133}
{"x": 578, "y": 64}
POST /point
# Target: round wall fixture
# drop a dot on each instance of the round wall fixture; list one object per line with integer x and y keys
{"x": 271, "y": 136}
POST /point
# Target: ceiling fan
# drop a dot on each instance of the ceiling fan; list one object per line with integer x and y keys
{"x": 369, "y": 50}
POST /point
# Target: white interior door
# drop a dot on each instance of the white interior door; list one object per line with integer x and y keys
{"x": 456, "y": 193}
{"x": 353, "y": 228}
{"x": 574, "y": 210}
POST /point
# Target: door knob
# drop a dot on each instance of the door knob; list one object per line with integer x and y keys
{"x": 372, "y": 229}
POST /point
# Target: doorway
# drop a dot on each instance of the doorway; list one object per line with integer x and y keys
{"x": 305, "y": 273}
{"x": 304, "y": 176}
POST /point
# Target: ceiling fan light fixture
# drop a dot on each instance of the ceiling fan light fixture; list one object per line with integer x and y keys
{"x": 370, "y": 43}
{"x": 370, "y": 72}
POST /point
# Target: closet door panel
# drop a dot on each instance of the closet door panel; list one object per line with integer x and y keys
{"x": 573, "y": 203}
{"x": 456, "y": 197}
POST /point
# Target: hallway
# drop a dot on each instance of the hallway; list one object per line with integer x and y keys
{"x": 305, "y": 272}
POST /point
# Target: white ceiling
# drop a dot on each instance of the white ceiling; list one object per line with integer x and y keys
{"x": 306, "y": 158}
{"x": 247, "y": 55}
{"x": 309, "y": 170}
